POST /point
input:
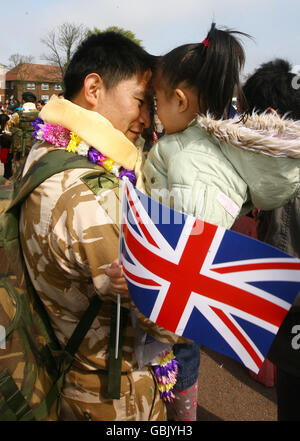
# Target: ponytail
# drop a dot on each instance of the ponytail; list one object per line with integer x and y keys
{"x": 219, "y": 75}
{"x": 212, "y": 68}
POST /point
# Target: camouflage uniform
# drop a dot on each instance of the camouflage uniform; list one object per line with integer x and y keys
{"x": 68, "y": 239}
{"x": 22, "y": 141}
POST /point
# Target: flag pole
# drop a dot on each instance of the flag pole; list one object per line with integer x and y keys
{"x": 123, "y": 183}
{"x": 117, "y": 328}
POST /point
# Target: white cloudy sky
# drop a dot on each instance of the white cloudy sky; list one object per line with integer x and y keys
{"x": 160, "y": 24}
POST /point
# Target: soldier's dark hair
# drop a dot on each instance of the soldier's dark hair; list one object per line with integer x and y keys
{"x": 28, "y": 97}
{"x": 111, "y": 55}
{"x": 211, "y": 68}
{"x": 271, "y": 85}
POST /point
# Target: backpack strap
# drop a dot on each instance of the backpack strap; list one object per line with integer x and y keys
{"x": 17, "y": 408}
{"x": 68, "y": 354}
{"x": 50, "y": 164}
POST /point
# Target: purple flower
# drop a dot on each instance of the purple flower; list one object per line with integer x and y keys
{"x": 93, "y": 155}
{"x": 36, "y": 126}
{"x": 129, "y": 174}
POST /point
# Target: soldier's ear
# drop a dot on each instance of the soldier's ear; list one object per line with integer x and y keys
{"x": 93, "y": 86}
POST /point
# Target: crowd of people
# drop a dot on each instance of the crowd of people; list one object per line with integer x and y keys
{"x": 15, "y": 135}
{"x": 114, "y": 94}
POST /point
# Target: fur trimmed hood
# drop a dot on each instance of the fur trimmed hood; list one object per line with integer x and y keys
{"x": 231, "y": 163}
{"x": 266, "y": 133}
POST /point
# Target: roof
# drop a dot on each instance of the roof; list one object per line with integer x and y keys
{"x": 35, "y": 72}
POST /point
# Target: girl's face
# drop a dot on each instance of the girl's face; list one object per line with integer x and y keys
{"x": 167, "y": 111}
{"x": 176, "y": 109}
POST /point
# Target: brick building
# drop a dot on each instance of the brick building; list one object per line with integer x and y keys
{"x": 40, "y": 79}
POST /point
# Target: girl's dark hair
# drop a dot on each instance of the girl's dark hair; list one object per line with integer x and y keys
{"x": 211, "y": 69}
{"x": 110, "y": 54}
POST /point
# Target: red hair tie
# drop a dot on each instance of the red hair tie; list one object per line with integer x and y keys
{"x": 206, "y": 42}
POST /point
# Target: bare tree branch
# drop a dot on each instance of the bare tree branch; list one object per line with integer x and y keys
{"x": 62, "y": 42}
{"x": 17, "y": 59}
{"x": 54, "y": 57}
{"x": 21, "y": 64}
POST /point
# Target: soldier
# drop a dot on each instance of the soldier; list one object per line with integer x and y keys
{"x": 69, "y": 228}
{"x": 21, "y": 129}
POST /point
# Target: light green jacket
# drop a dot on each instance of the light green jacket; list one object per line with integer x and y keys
{"x": 217, "y": 170}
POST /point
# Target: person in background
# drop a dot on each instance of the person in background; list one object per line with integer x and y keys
{"x": 21, "y": 128}
{"x": 28, "y": 102}
{"x": 5, "y": 140}
{"x": 40, "y": 104}
{"x": 270, "y": 90}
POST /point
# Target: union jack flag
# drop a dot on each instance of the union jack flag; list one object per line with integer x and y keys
{"x": 217, "y": 287}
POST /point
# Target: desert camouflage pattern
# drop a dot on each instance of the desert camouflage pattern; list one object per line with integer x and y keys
{"x": 69, "y": 236}
{"x": 22, "y": 375}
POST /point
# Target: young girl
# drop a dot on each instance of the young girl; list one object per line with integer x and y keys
{"x": 210, "y": 162}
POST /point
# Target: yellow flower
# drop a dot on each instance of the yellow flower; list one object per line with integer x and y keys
{"x": 165, "y": 387}
{"x": 165, "y": 360}
{"x": 73, "y": 144}
{"x": 107, "y": 164}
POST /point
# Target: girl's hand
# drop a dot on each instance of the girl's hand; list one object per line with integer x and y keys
{"x": 117, "y": 280}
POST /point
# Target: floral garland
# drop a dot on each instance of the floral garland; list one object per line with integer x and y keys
{"x": 62, "y": 137}
{"x": 165, "y": 372}
{"x": 165, "y": 367}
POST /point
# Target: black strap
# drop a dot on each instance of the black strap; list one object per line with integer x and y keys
{"x": 83, "y": 326}
{"x": 71, "y": 348}
{"x": 115, "y": 364}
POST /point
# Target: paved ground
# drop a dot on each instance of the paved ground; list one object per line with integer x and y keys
{"x": 228, "y": 393}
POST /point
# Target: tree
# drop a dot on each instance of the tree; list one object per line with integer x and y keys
{"x": 16, "y": 59}
{"x": 125, "y": 32}
{"x": 21, "y": 65}
{"x": 62, "y": 43}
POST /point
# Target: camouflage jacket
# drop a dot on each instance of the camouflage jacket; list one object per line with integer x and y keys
{"x": 69, "y": 235}
{"x": 68, "y": 238}
{"x": 22, "y": 129}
